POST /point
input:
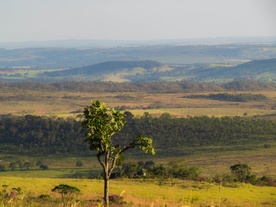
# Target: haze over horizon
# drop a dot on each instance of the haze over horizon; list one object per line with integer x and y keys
{"x": 39, "y": 20}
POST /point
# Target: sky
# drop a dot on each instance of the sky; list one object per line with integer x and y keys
{"x": 41, "y": 20}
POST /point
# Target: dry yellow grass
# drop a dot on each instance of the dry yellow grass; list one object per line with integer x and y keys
{"x": 63, "y": 103}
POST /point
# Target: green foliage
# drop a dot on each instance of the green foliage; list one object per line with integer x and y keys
{"x": 145, "y": 143}
{"x": 150, "y": 87}
{"x": 150, "y": 170}
{"x": 44, "y": 167}
{"x": 2, "y": 168}
{"x": 39, "y": 134}
{"x": 48, "y": 135}
{"x": 183, "y": 172}
{"x": 67, "y": 193}
{"x": 117, "y": 200}
{"x": 11, "y": 196}
{"x": 242, "y": 172}
{"x": 79, "y": 163}
{"x": 12, "y": 165}
{"x": 100, "y": 124}
{"x": 244, "y": 97}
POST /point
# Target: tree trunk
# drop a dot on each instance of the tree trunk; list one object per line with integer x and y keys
{"x": 106, "y": 180}
{"x": 106, "y": 190}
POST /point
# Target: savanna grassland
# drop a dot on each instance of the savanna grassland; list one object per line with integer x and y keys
{"x": 66, "y": 103}
{"x": 212, "y": 161}
{"x": 144, "y": 192}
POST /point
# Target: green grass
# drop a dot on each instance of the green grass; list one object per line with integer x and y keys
{"x": 152, "y": 193}
{"x": 211, "y": 160}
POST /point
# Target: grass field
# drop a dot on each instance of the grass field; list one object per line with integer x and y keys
{"x": 152, "y": 193}
{"x": 61, "y": 103}
{"x": 211, "y": 160}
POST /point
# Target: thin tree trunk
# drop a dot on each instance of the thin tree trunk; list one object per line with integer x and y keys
{"x": 106, "y": 191}
{"x": 106, "y": 180}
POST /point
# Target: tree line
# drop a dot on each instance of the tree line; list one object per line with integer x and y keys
{"x": 243, "y": 97}
{"x": 51, "y": 135}
{"x": 151, "y": 87}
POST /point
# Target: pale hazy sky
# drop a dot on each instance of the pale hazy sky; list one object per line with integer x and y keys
{"x": 35, "y": 20}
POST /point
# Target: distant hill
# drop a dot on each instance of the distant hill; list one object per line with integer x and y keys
{"x": 252, "y": 68}
{"x": 117, "y": 71}
{"x": 149, "y": 71}
{"x": 108, "y": 67}
{"x": 47, "y": 56}
{"x": 262, "y": 70}
{"x": 258, "y": 70}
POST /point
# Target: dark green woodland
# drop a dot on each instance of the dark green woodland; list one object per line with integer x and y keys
{"x": 50, "y": 135}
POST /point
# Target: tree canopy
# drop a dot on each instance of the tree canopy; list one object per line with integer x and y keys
{"x": 52, "y": 135}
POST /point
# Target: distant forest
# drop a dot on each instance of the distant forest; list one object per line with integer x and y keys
{"x": 244, "y": 97}
{"x": 48, "y": 135}
{"x": 162, "y": 87}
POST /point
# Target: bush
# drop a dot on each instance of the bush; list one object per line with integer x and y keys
{"x": 44, "y": 167}
{"x": 2, "y": 168}
{"x": 241, "y": 172}
{"x": 67, "y": 193}
{"x": 183, "y": 172}
{"x": 116, "y": 199}
{"x": 79, "y": 163}
{"x": 265, "y": 180}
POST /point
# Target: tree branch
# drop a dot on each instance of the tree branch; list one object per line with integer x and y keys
{"x": 125, "y": 149}
{"x": 99, "y": 158}
{"x": 112, "y": 165}
{"x": 117, "y": 156}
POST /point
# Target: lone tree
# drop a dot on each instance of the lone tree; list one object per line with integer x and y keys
{"x": 67, "y": 193}
{"x": 100, "y": 124}
{"x": 241, "y": 172}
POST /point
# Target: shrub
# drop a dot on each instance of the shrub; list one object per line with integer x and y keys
{"x": 79, "y": 163}
{"x": 67, "y": 193}
{"x": 44, "y": 167}
{"x": 116, "y": 199}
{"x": 265, "y": 180}
{"x": 2, "y": 168}
{"x": 241, "y": 172}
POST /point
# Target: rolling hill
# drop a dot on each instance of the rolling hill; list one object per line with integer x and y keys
{"x": 257, "y": 70}
{"x": 46, "y": 57}
{"x": 117, "y": 71}
{"x": 153, "y": 71}
{"x": 108, "y": 67}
